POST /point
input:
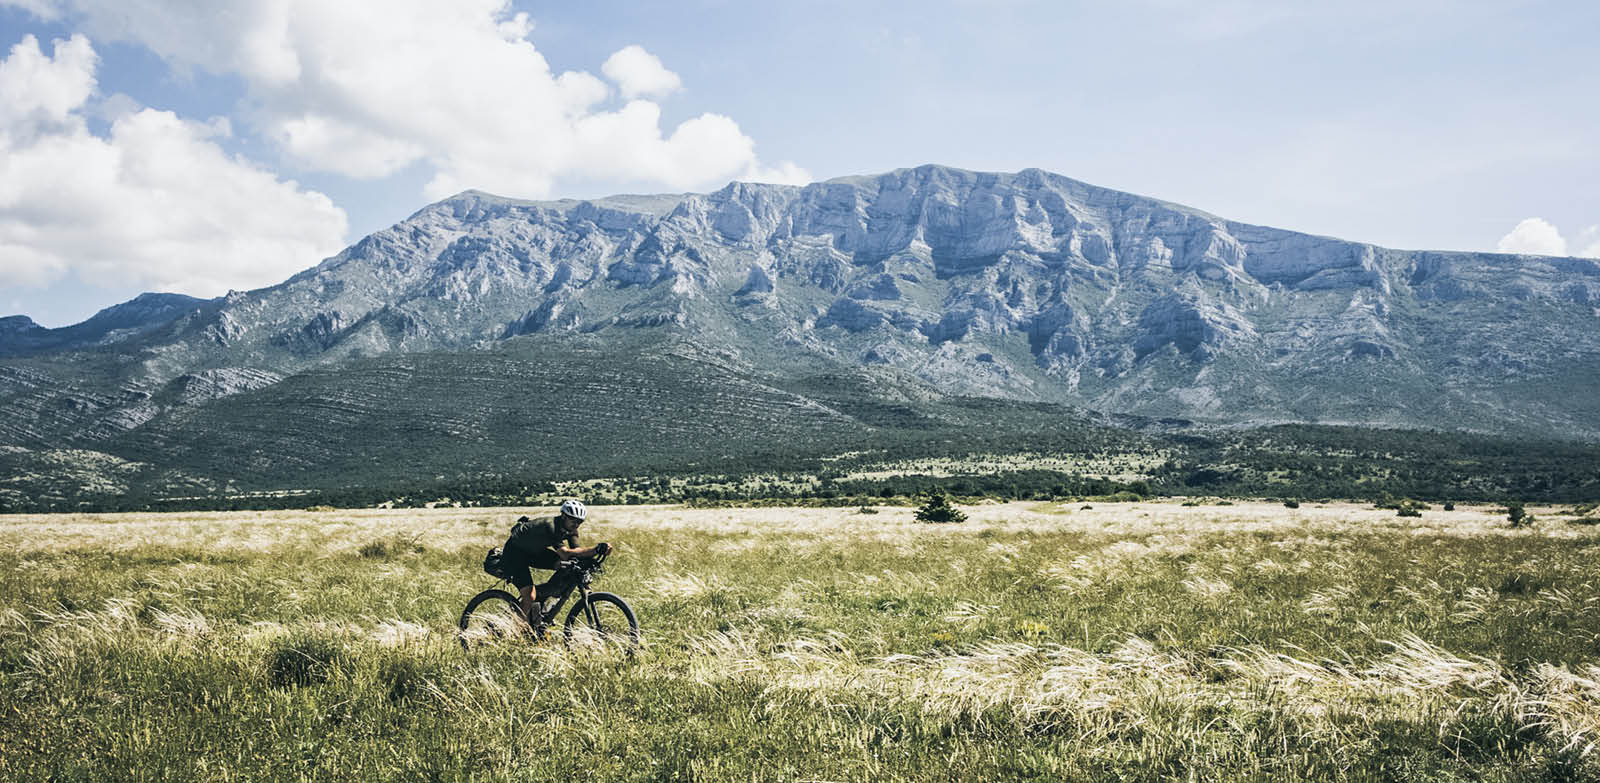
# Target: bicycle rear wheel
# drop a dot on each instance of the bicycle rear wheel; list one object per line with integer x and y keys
{"x": 491, "y": 616}
{"x": 612, "y": 622}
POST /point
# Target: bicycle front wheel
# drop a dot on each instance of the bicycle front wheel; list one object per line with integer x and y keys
{"x": 605, "y": 619}
{"x": 491, "y": 616}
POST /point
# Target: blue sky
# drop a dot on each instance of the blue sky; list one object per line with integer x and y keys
{"x": 146, "y": 145}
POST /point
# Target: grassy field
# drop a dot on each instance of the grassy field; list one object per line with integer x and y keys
{"x": 1134, "y": 641}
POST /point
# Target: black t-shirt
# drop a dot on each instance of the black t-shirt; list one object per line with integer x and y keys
{"x": 536, "y": 536}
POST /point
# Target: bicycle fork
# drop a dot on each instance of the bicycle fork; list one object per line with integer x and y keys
{"x": 588, "y": 608}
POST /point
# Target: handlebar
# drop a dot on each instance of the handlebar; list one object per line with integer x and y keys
{"x": 591, "y": 563}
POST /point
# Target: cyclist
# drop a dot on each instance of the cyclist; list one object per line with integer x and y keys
{"x": 544, "y": 543}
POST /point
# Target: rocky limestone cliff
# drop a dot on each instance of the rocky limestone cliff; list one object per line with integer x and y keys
{"x": 1028, "y": 286}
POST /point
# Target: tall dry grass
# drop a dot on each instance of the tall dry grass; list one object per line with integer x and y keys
{"x": 1142, "y": 641}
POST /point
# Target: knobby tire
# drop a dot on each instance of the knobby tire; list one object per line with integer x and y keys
{"x": 617, "y": 621}
{"x": 499, "y": 615}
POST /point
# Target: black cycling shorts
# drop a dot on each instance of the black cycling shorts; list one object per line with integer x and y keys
{"x": 520, "y": 564}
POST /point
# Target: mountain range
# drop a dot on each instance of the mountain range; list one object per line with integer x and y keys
{"x": 483, "y": 332}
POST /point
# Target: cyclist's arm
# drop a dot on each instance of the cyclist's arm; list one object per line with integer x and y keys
{"x": 568, "y": 553}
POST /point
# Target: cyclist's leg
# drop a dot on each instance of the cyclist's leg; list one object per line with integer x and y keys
{"x": 551, "y": 586}
{"x": 522, "y": 579}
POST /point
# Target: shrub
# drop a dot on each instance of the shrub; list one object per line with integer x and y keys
{"x": 1409, "y": 508}
{"x": 1448, "y": 506}
{"x": 1518, "y": 515}
{"x": 938, "y": 509}
{"x": 866, "y": 510}
{"x": 1291, "y": 503}
{"x": 320, "y": 508}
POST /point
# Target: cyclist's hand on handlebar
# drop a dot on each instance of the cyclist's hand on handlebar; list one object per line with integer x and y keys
{"x": 602, "y": 549}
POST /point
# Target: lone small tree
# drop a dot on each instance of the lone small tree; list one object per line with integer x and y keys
{"x": 1518, "y": 515}
{"x": 938, "y": 509}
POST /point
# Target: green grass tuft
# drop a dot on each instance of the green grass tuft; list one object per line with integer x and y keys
{"x": 306, "y": 659}
{"x": 392, "y": 546}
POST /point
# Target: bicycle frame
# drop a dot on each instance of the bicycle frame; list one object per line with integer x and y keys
{"x": 581, "y": 586}
{"x": 554, "y": 611}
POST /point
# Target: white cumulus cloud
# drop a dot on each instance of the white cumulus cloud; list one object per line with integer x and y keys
{"x": 1540, "y": 237}
{"x": 1590, "y": 239}
{"x": 154, "y": 202}
{"x": 365, "y": 88}
{"x": 1534, "y": 236}
{"x": 640, "y": 73}
{"x": 38, "y": 92}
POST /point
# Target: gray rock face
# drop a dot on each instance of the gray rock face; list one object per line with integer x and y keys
{"x": 759, "y": 282}
{"x": 208, "y": 385}
{"x": 556, "y": 313}
{"x": 1193, "y": 325}
{"x": 1027, "y": 285}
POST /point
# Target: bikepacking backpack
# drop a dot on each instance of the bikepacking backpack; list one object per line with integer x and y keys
{"x": 493, "y": 564}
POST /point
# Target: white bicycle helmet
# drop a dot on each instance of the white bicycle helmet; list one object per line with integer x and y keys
{"x": 574, "y": 509}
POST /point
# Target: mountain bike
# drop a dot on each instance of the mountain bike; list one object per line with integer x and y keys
{"x": 496, "y": 614}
